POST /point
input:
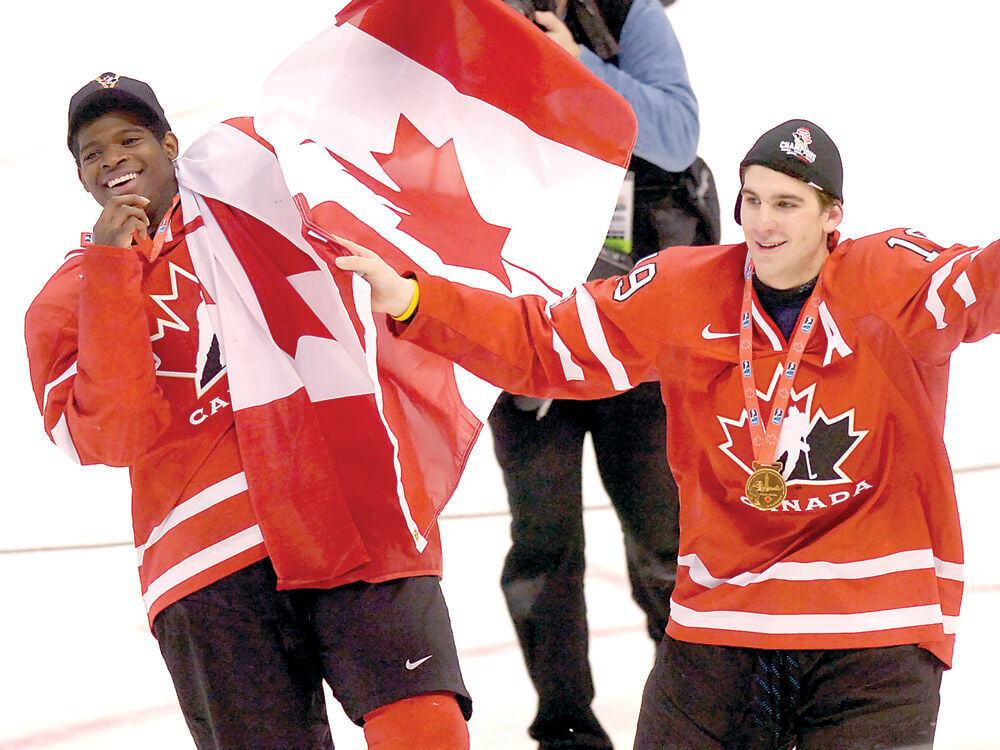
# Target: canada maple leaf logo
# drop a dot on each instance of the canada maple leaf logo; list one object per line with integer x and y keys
{"x": 811, "y": 447}
{"x": 432, "y": 201}
{"x": 205, "y": 365}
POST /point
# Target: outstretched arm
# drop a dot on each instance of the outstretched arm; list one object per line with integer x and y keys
{"x": 391, "y": 293}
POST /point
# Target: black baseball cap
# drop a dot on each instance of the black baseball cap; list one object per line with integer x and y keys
{"x": 106, "y": 92}
{"x": 800, "y": 149}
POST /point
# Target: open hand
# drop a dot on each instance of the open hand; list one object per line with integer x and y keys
{"x": 391, "y": 293}
{"x": 557, "y": 31}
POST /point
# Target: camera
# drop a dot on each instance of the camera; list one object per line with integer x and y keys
{"x": 584, "y": 20}
{"x": 527, "y": 8}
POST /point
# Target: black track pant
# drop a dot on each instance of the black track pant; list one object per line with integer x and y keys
{"x": 543, "y": 573}
{"x": 702, "y": 697}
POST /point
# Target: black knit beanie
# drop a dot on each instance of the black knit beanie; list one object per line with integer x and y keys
{"x": 802, "y": 150}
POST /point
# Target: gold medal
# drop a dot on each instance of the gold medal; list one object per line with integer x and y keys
{"x": 766, "y": 487}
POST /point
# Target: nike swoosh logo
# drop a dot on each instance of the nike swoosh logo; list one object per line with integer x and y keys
{"x": 707, "y": 334}
{"x": 411, "y": 665}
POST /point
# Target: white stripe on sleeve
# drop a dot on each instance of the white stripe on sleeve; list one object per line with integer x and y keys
{"x": 598, "y": 343}
{"x": 70, "y": 372}
{"x": 64, "y": 441}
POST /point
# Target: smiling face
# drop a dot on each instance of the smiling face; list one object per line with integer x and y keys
{"x": 119, "y": 156}
{"x": 786, "y": 227}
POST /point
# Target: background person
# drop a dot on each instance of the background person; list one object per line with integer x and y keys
{"x": 668, "y": 199}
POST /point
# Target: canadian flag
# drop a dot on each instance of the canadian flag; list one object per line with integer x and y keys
{"x": 451, "y": 135}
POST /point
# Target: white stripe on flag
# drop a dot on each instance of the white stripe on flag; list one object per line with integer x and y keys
{"x": 549, "y": 195}
{"x": 244, "y": 333}
{"x": 362, "y": 299}
{"x": 259, "y": 371}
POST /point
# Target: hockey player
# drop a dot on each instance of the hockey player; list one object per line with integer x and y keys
{"x": 128, "y": 372}
{"x": 819, "y": 576}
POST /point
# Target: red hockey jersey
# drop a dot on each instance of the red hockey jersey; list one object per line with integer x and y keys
{"x": 127, "y": 371}
{"x": 866, "y": 548}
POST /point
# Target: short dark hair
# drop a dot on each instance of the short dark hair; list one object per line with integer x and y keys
{"x": 826, "y": 201}
{"x": 134, "y": 110}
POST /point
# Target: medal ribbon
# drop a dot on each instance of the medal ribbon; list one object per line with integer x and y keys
{"x": 149, "y": 247}
{"x": 765, "y": 443}
{"x": 161, "y": 233}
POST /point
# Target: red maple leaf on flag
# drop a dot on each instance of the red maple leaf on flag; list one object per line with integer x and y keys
{"x": 433, "y": 201}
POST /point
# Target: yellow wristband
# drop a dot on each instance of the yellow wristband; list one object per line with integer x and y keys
{"x": 414, "y": 301}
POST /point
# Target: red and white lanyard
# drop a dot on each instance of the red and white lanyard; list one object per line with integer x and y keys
{"x": 765, "y": 440}
{"x": 161, "y": 233}
{"x": 149, "y": 247}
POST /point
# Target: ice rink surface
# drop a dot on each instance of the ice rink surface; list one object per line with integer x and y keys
{"x": 907, "y": 89}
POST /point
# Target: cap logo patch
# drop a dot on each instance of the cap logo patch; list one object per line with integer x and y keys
{"x": 799, "y": 146}
{"x": 107, "y": 80}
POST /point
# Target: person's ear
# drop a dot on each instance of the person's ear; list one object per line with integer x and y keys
{"x": 835, "y": 215}
{"x": 170, "y": 145}
{"x": 79, "y": 176}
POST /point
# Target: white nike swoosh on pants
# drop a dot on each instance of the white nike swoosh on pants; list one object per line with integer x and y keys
{"x": 411, "y": 665}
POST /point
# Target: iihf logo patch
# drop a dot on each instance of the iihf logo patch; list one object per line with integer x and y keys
{"x": 790, "y": 370}
{"x": 746, "y": 368}
{"x": 107, "y": 80}
{"x": 746, "y": 320}
{"x": 808, "y": 323}
{"x": 799, "y": 146}
{"x": 777, "y": 416}
{"x": 754, "y": 417}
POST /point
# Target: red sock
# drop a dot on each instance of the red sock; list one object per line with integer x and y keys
{"x": 430, "y": 720}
